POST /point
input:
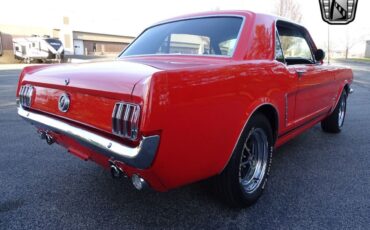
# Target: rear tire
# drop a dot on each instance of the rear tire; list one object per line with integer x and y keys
{"x": 334, "y": 123}
{"x": 244, "y": 178}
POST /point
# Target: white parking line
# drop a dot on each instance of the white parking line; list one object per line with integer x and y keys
{"x": 7, "y": 75}
{"x": 361, "y": 82}
{"x": 360, "y": 69}
{"x": 7, "y": 104}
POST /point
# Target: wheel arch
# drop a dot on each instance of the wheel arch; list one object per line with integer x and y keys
{"x": 347, "y": 88}
{"x": 271, "y": 113}
{"x": 272, "y": 116}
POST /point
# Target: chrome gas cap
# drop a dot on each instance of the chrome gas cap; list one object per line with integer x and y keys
{"x": 64, "y": 102}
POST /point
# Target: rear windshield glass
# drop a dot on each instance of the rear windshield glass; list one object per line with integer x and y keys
{"x": 201, "y": 36}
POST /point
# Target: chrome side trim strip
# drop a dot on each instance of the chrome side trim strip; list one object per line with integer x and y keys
{"x": 141, "y": 156}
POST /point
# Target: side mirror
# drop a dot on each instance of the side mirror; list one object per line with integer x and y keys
{"x": 319, "y": 55}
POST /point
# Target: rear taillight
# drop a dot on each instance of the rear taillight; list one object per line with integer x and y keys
{"x": 125, "y": 120}
{"x": 25, "y": 95}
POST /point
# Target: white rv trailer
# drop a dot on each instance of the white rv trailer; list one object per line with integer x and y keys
{"x": 35, "y": 48}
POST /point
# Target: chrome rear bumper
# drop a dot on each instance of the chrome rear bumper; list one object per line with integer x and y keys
{"x": 140, "y": 157}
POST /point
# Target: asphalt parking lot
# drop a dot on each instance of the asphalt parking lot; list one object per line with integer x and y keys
{"x": 318, "y": 181}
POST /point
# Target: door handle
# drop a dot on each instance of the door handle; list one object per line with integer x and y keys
{"x": 301, "y": 73}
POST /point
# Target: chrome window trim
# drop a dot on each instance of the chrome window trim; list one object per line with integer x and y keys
{"x": 141, "y": 156}
{"x": 277, "y": 38}
{"x": 191, "y": 18}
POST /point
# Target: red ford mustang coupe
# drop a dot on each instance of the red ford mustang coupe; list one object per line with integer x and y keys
{"x": 194, "y": 97}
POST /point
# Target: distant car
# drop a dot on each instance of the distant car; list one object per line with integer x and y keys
{"x": 206, "y": 95}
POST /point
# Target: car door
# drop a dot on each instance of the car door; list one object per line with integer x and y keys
{"x": 313, "y": 95}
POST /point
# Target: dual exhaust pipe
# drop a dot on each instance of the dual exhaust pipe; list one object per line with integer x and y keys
{"x": 44, "y": 135}
{"x": 138, "y": 182}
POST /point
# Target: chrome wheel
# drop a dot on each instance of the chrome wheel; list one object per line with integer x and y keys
{"x": 244, "y": 178}
{"x": 341, "y": 112}
{"x": 253, "y": 162}
{"x": 335, "y": 121}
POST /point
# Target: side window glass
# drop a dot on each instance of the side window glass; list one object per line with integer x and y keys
{"x": 227, "y": 47}
{"x": 296, "y": 47}
{"x": 279, "y": 55}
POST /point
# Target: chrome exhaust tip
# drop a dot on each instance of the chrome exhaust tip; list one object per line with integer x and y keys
{"x": 45, "y": 136}
{"x": 115, "y": 172}
{"x": 138, "y": 182}
{"x": 42, "y": 134}
{"x": 49, "y": 139}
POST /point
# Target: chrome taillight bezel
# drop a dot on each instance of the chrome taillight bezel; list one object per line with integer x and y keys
{"x": 125, "y": 120}
{"x": 25, "y": 95}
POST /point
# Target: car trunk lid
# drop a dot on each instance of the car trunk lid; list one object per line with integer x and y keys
{"x": 93, "y": 89}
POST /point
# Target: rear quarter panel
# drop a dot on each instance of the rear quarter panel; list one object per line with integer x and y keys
{"x": 201, "y": 113}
